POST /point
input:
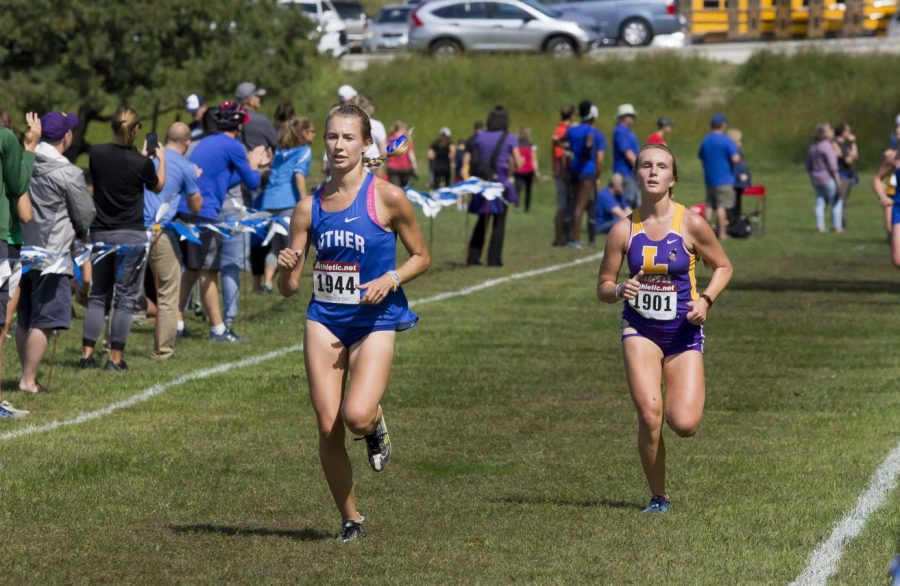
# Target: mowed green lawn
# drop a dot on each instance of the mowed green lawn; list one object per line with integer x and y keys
{"x": 514, "y": 435}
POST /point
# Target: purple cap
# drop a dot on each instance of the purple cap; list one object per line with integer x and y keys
{"x": 718, "y": 119}
{"x": 55, "y": 125}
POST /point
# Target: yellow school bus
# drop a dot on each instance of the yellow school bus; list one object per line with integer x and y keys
{"x": 709, "y": 18}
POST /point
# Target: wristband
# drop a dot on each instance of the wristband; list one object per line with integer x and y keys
{"x": 620, "y": 288}
{"x": 395, "y": 278}
{"x": 707, "y": 298}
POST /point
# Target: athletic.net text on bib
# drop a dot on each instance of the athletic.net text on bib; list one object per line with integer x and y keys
{"x": 336, "y": 282}
{"x": 656, "y": 301}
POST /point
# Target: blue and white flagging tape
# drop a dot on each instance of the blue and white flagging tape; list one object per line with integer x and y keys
{"x": 432, "y": 203}
{"x": 265, "y": 225}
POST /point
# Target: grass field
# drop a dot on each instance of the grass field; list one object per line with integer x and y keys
{"x": 514, "y": 436}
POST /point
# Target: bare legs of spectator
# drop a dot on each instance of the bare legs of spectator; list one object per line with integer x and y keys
{"x": 209, "y": 292}
{"x": 31, "y": 346}
{"x": 583, "y": 198}
{"x": 563, "y": 205}
{"x": 722, "y": 222}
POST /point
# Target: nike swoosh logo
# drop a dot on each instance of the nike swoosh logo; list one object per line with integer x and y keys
{"x": 348, "y": 220}
{"x": 671, "y": 241}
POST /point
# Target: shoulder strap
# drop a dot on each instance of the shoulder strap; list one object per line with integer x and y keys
{"x": 496, "y": 152}
{"x": 677, "y": 218}
{"x": 636, "y": 222}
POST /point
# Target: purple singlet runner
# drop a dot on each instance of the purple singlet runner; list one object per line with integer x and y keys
{"x": 659, "y": 310}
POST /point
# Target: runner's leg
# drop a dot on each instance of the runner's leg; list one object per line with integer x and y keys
{"x": 326, "y": 370}
{"x": 643, "y": 367}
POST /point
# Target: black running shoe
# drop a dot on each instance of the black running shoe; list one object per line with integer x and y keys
{"x": 351, "y": 530}
{"x": 185, "y": 333}
{"x": 87, "y": 363}
{"x": 120, "y": 367}
{"x": 378, "y": 445}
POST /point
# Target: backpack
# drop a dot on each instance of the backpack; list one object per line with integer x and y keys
{"x": 740, "y": 228}
{"x": 486, "y": 167}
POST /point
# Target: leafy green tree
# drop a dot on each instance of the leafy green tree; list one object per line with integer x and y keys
{"x": 90, "y": 56}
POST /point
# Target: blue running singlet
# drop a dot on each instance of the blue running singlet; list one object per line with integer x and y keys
{"x": 352, "y": 247}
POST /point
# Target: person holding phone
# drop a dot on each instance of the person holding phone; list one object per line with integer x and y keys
{"x": 120, "y": 173}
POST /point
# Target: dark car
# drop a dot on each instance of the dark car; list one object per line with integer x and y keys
{"x": 629, "y": 22}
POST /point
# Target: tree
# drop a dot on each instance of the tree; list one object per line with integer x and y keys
{"x": 93, "y": 55}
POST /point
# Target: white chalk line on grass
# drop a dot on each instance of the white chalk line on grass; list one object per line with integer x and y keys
{"x": 823, "y": 562}
{"x": 148, "y": 393}
{"x": 161, "y": 388}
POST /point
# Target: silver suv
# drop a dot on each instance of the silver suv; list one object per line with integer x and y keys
{"x": 449, "y": 27}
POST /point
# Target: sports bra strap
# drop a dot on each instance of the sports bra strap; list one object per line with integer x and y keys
{"x": 370, "y": 201}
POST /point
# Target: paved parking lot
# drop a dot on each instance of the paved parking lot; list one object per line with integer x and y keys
{"x": 729, "y": 52}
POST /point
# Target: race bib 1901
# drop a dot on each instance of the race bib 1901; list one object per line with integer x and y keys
{"x": 336, "y": 282}
{"x": 656, "y": 301}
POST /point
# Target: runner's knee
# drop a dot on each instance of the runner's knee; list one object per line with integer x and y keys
{"x": 358, "y": 420}
{"x": 684, "y": 426}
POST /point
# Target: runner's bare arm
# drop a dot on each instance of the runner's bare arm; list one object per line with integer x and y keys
{"x": 401, "y": 217}
{"x": 613, "y": 257}
{"x": 888, "y": 166}
{"x": 292, "y": 258}
{"x": 699, "y": 235}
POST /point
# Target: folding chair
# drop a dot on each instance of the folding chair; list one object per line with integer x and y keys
{"x": 758, "y": 217}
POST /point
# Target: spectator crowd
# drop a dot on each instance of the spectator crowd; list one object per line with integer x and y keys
{"x": 229, "y": 161}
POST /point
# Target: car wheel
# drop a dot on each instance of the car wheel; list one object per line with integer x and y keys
{"x": 635, "y": 32}
{"x": 561, "y": 47}
{"x": 445, "y": 48}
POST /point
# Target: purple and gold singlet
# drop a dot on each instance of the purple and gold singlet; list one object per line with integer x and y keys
{"x": 659, "y": 310}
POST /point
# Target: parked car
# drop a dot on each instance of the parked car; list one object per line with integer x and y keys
{"x": 893, "y": 28}
{"x": 390, "y": 29}
{"x": 355, "y": 19}
{"x": 629, "y": 22}
{"x": 449, "y": 27}
{"x": 330, "y": 30}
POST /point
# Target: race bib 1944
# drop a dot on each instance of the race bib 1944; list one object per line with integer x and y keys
{"x": 336, "y": 282}
{"x": 657, "y": 301}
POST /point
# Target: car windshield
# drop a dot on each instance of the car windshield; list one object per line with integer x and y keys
{"x": 542, "y": 8}
{"x": 393, "y": 15}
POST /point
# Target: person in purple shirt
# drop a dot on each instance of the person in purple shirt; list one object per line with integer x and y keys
{"x": 625, "y": 150}
{"x": 220, "y": 157}
{"x": 719, "y": 155}
{"x": 495, "y": 139}
{"x": 822, "y": 166}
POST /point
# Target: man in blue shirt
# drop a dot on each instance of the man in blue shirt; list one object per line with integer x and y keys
{"x": 159, "y": 210}
{"x": 223, "y": 162}
{"x": 588, "y": 148}
{"x": 625, "y": 149}
{"x": 719, "y": 155}
{"x": 611, "y": 206}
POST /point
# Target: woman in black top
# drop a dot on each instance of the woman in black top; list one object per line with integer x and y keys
{"x": 441, "y": 157}
{"x": 119, "y": 174}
